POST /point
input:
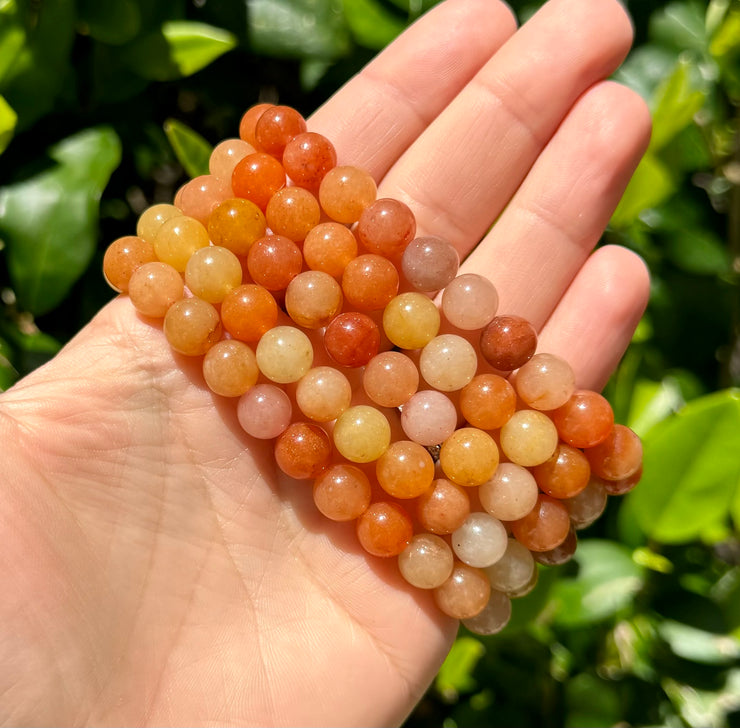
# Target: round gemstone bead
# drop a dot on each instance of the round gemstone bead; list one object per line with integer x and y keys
{"x": 247, "y": 312}
{"x": 430, "y": 263}
{"x": 510, "y": 493}
{"x": 465, "y": 593}
{"x": 411, "y": 320}
{"x": 362, "y": 434}
{"x": 275, "y": 127}
{"x": 585, "y": 507}
{"x": 352, "y": 339}
{"x": 513, "y": 571}
{"x": 201, "y": 195}
{"x": 618, "y": 456}
{"x": 177, "y": 239}
{"x": 154, "y": 287}
{"x": 191, "y": 326}
{"x": 545, "y": 527}
{"x": 585, "y": 420}
{"x": 284, "y": 354}
{"x": 307, "y": 158}
{"x": 257, "y": 177}
{"x": 152, "y": 218}
{"x": 470, "y": 301}
{"x": 561, "y": 554}
{"x": 480, "y": 541}
{"x": 528, "y": 438}
{"x": 264, "y": 411}
{"x": 448, "y": 362}
{"x": 329, "y": 247}
{"x": 369, "y": 282}
{"x": 565, "y": 474}
{"x": 123, "y": 257}
{"x": 212, "y": 272}
{"x": 342, "y": 492}
{"x": 469, "y": 456}
{"x": 274, "y": 261}
{"x": 230, "y": 368}
{"x": 323, "y": 393}
{"x": 507, "y": 342}
{"x": 345, "y": 192}
{"x": 384, "y": 529}
{"x": 428, "y": 417}
{"x": 623, "y": 485}
{"x": 390, "y": 379}
{"x": 494, "y": 616}
{"x": 386, "y": 227}
{"x": 545, "y": 382}
{"x": 313, "y": 299}
{"x": 405, "y": 469}
{"x": 292, "y": 212}
{"x": 236, "y": 224}
{"x": 248, "y": 122}
{"x": 487, "y": 401}
{"x": 303, "y": 450}
{"x": 443, "y": 507}
{"x": 426, "y": 562}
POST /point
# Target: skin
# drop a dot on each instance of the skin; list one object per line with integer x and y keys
{"x": 155, "y": 569}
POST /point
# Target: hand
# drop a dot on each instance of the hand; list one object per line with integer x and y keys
{"x": 155, "y": 568}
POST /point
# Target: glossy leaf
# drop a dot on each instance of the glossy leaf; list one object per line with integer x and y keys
{"x": 191, "y": 149}
{"x": 8, "y": 120}
{"x": 698, "y": 645}
{"x": 691, "y": 469}
{"x": 651, "y": 184}
{"x": 607, "y": 580}
{"x": 180, "y": 48}
{"x": 456, "y": 674}
{"x": 680, "y": 25}
{"x": 698, "y": 251}
{"x": 297, "y": 28}
{"x": 372, "y": 25}
{"x": 12, "y": 36}
{"x": 49, "y": 221}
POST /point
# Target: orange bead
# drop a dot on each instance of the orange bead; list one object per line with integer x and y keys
{"x": 274, "y": 261}
{"x": 303, "y": 450}
{"x": 618, "y": 456}
{"x": 248, "y": 312}
{"x": 276, "y": 126}
{"x": 307, "y": 158}
{"x": 191, "y": 326}
{"x": 384, "y": 529}
{"x": 405, "y": 469}
{"x": 342, "y": 492}
{"x": 487, "y": 401}
{"x": 545, "y": 527}
{"x": 235, "y": 224}
{"x": 565, "y": 474}
{"x": 258, "y": 177}
{"x": 369, "y": 282}
{"x": 123, "y": 257}
{"x": 249, "y": 122}
{"x": 329, "y": 247}
{"x": 292, "y": 212}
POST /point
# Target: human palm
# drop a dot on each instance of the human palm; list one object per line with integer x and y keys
{"x": 156, "y": 568}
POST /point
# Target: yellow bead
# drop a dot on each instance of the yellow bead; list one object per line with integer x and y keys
{"x": 362, "y": 434}
{"x": 469, "y": 456}
{"x": 411, "y": 320}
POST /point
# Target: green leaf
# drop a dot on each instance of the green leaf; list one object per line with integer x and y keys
{"x": 371, "y": 24}
{"x": 49, "y": 222}
{"x": 646, "y": 67}
{"x": 114, "y": 22}
{"x": 40, "y": 66}
{"x": 607, "y": 581}
{"x": 651, "y": 184}
{"x": 180, "y": 48}
{"x": 455, "y": 676}
{"x": 298, "y": 28}
{"x": 8, "y": 119}
{"x": 680, "y": 25}
{"x": 698, "y": 645}
{"x": 676, "y": 101}
{"x": 691, "y": 469}
{"x": 697, "y": 250}
{"x": 12, "y": 36}
{"x": 191, "y": 149}
{"x": 652, "y": 402}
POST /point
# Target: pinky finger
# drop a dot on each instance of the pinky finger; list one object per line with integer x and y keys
{"x": 596, "y": 318}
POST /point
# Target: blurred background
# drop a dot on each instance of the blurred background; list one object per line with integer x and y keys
{"x": 107, "y": 107}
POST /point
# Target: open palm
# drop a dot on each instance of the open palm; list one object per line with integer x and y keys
{"x": 156, "y": 570}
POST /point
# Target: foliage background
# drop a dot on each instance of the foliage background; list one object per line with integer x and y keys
{"x": 106, "y": 107}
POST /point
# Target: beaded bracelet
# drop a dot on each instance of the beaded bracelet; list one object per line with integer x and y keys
{"x": 296, "y": 285}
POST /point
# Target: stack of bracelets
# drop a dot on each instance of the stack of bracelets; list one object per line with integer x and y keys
{"x": 312, "y": 305}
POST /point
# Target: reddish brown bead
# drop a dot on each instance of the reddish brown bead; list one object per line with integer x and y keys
{"x": 624, "y": 485}
{"x": 561, "y": 554}
{"x": 508, "y": 342}
{"x": 545, "y": 527}
{"x": 444, "y": 507}
{"x": 565, "y": 474}
{"x": 258, "y": 177}
{"x": 585, "y": 420}
{"x": 274, "y": 261}
{"x": 369, "y": 282}
{"x": 275, "y": 127}
{"x": 384, "y": 529}
{"x": 386, "y": 227}
{"x": 618, "y": 456}
{"x": 352, "y": 339}
{"x": 307, "y": 158}
{"x": 249, "y": 122}
{"x": 303, "y": 450}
